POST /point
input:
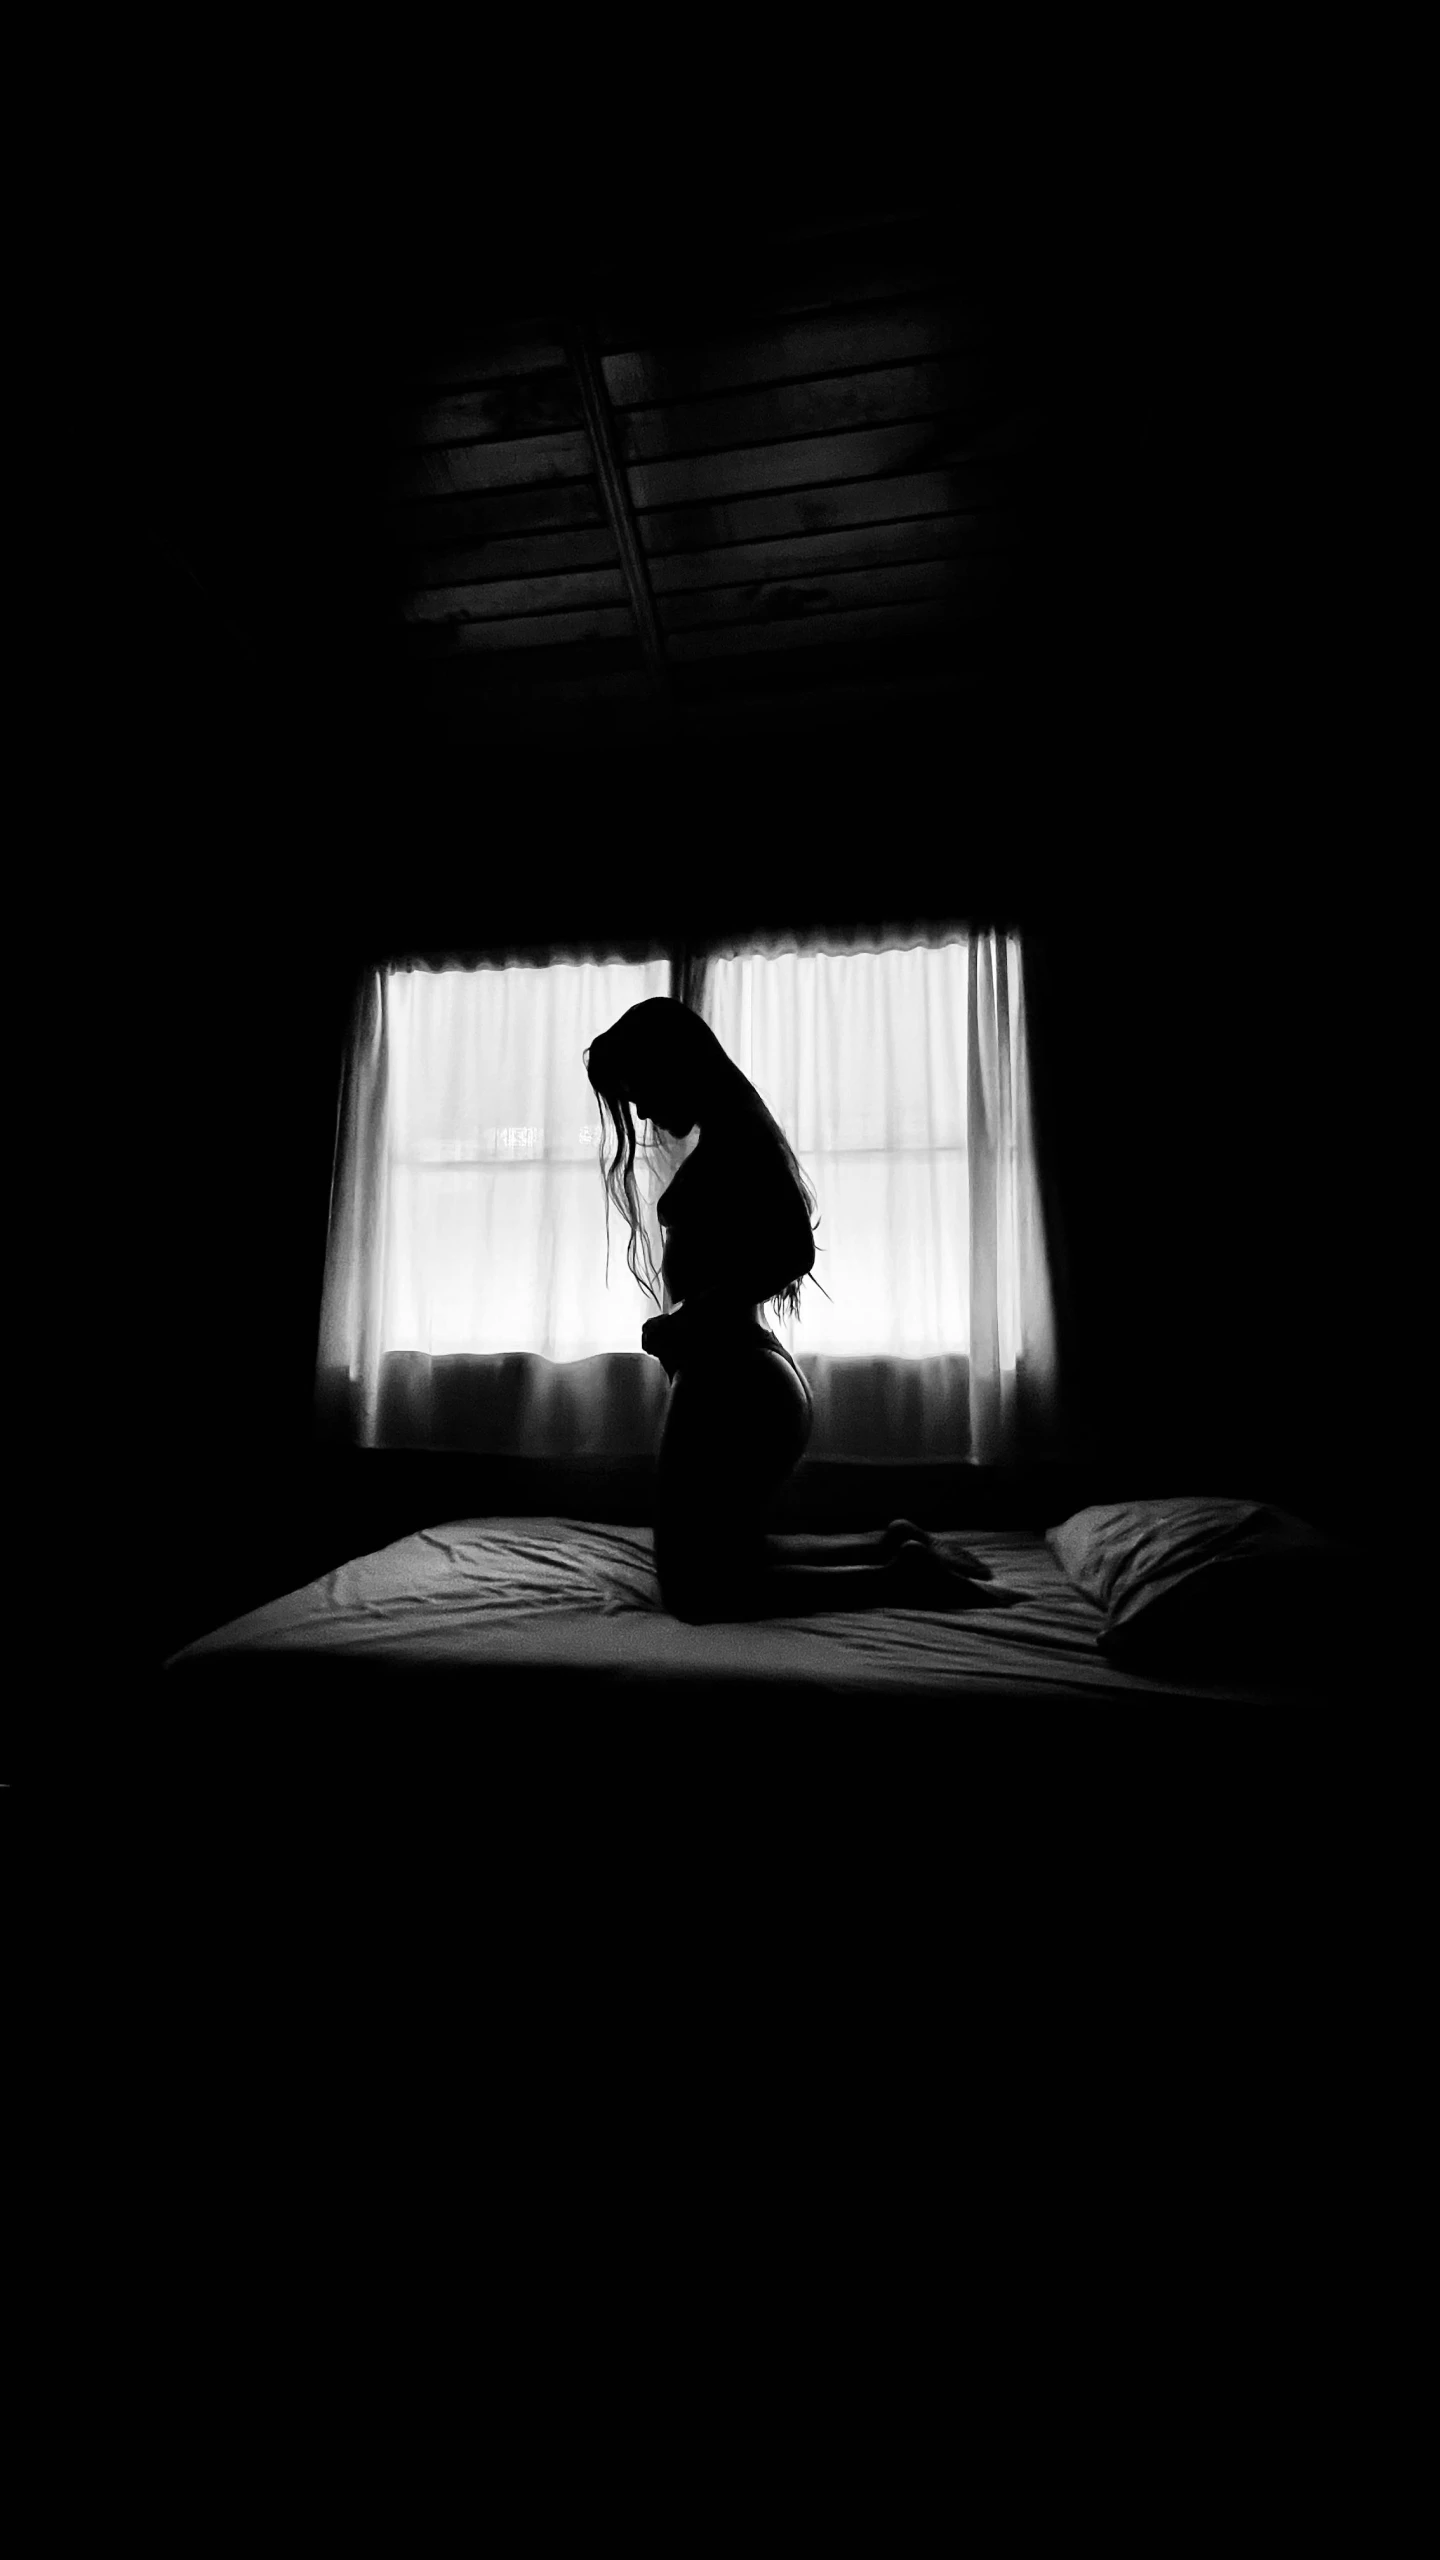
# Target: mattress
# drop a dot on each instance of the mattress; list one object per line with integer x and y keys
{"x": 536, "y": 1608}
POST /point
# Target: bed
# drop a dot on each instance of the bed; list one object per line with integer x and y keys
{"x": 501, "y": 1698}
{"x": 562, "y": 1610}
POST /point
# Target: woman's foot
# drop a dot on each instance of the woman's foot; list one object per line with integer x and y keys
{"x": 901, "y": 1533}
{"x": 965, "y": 1562}
{"x": 924, "y": 1579}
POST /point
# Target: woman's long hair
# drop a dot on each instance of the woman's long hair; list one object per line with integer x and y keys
{"x": 663, "y": 1038}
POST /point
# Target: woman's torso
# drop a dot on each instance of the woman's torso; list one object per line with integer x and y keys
{"x": 706, "y": 1199}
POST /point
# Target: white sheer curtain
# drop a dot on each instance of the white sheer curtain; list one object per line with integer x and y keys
{"x": 465, "y": 1301}
{"x": 901, "y": 1077}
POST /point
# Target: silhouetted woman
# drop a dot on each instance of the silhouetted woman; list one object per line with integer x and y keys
{"x": 737, "y": 1221}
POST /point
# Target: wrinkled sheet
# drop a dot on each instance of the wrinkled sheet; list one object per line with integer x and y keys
{"x": 579, "y": 1598}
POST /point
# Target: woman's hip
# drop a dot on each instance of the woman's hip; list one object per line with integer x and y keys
{"x": 747, "y": 1407}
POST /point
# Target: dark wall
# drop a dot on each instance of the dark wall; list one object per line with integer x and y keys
{"x": 1209, "y": 1132}
{"x": 1165, "y": 786}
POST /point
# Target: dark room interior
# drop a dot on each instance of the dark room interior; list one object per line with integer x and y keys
{"x": 1089, "y": 681}
{"x": 685, "y": 549}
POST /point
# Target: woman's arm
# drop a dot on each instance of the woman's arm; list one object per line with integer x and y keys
{"x": 708, "y": 1317}
{"x": 709, "y": 1314}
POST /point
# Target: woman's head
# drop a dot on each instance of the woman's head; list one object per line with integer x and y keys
{"x": 667, "y": 1064}
{"x": 662, "y": 1061}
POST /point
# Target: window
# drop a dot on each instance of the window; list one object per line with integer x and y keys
{"x": 469, "y": 1218}
{"x": 865, "y": 1058}
{"x": 494, "y": 1224}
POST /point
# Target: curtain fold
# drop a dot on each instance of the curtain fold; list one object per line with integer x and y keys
{"x": 1045, "y": 1078}
{"x": 465, "y": 1301}
{"x": 352, "y": 1346}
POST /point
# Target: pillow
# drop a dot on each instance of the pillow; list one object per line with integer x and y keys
{"x": 1204, "y": 1582}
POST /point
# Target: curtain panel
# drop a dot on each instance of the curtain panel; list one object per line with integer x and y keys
{"x": 466, "y": 1302}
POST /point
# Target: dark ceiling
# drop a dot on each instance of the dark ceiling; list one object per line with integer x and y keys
{"x": 771, "y": 482}
{"x": 511, "y": 478}
{"x": 830, "y": 463}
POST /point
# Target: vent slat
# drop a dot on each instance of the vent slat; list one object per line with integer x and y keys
{"x": 769, "y": 602}
{"x": 888, "y": 396}
{"x": 787, "y": 513}
{"x": 924, "y": 444}
{"x": 538, "y": 555}
{"x": 850, "y": 547}
{"x": 525, "y": 631}
{"x": 454, "y": 471}
{"x": 496, "y": 598}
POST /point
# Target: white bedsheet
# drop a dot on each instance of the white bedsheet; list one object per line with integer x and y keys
{"x": 581, "y": 1597}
